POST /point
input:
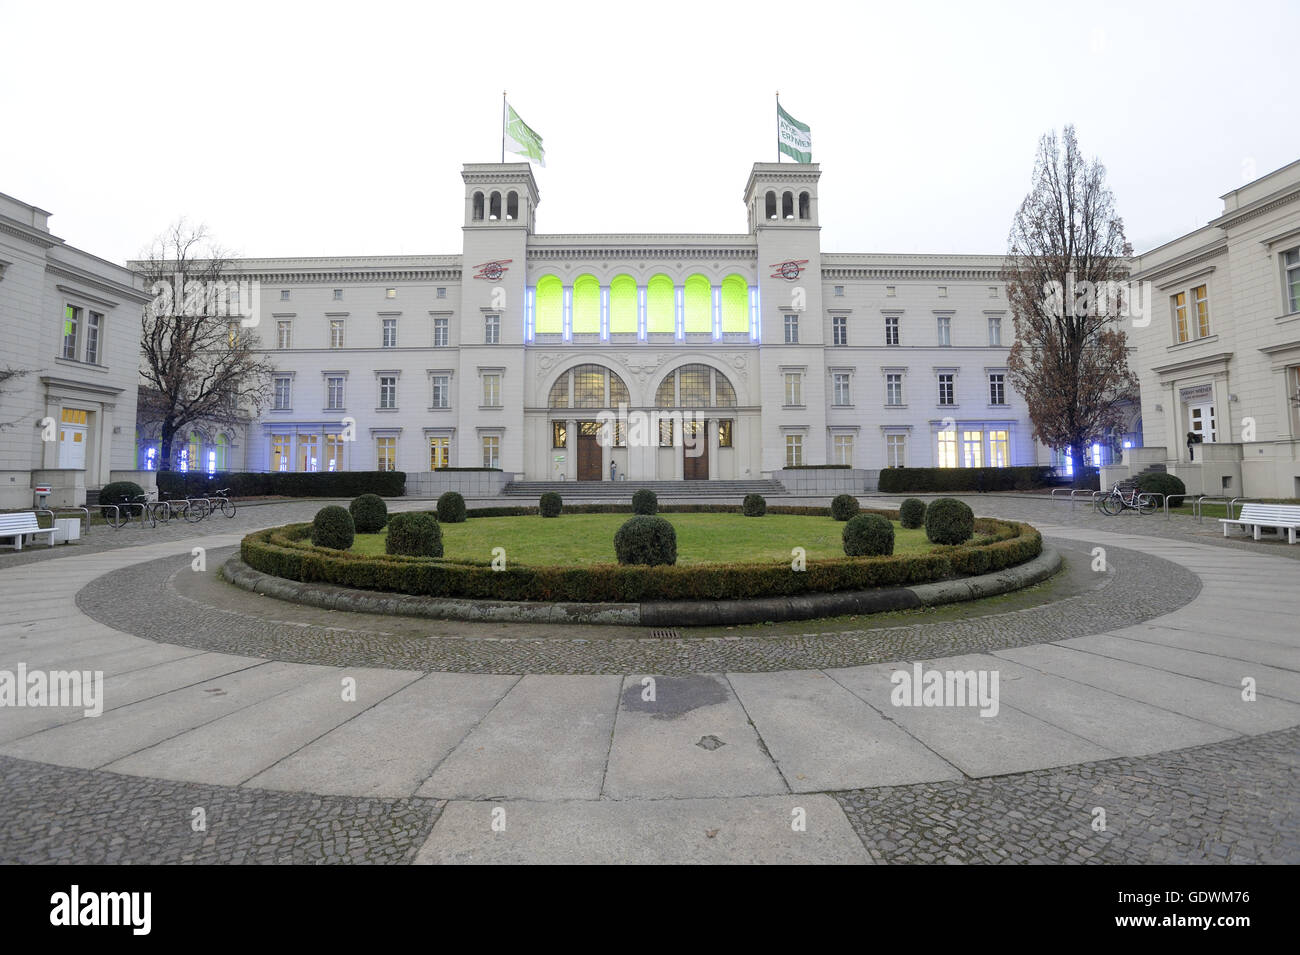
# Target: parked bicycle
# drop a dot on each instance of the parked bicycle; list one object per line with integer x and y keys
{"x": 220, "y": 501}
{"x": 1126, "y": 496}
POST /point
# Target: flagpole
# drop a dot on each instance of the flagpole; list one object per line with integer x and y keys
{"x": 503, "y": 126}
{"x": 778, "y": 125}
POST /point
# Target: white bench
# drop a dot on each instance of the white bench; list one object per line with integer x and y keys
{"x": 1281, "y": 517}
{"x": 20, "y": 526}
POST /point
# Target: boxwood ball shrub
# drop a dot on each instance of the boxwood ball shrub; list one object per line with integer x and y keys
{"x": 949, "y": 521}
{"x": 118, "y": 492}
{"x": 754, "y": 505}
{"x": 1157, "y": 482}
{"x": 550, "y": 504}
{"x": 451, "y": 508}
{"x": 333, "y": 527}
{"x": 414, "y": 535}
{"x": 844, "y": 506}
{"x": 645, "y": 501}
{"x": 868, "y": 535}
{"x": 646, "y": 539}
{"x": 369, "y": 513}
{"x": 911, "y": 513}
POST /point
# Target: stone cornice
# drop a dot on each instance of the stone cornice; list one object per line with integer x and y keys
{"x": 1188, "y": 259}
{"x": 28, "y": 233}
{"x": 79, "y": 277}
{"x": 344, "y": 275}
{"x": 646, "y": 252}
{"x": 1218, "y": 358}
{"x": 906, "y": 272}
{"x": 1259, "y": 207}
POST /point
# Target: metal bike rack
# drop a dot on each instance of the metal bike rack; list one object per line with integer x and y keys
{"x": 54, "y": 514}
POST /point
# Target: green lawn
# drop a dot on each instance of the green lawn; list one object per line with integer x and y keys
{"x": 580, "y": 539}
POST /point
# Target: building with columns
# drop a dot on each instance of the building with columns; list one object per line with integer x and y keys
{"x": 727, "y": 356}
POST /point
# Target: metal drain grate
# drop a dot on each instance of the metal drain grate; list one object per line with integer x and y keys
{"x": 664, "y": 634}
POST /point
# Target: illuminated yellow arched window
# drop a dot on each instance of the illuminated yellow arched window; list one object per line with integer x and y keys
{"x": 559, "y": 397}
{"x": 659, "y": 305}
{"x": 724, "y": 393}
{"x": 586, "y": 304}
{"x": 666, "y": 396}
{"x": 222, "y": 444}
{"x": 735, "y": 304}
{"x": 550, "y": 305}
{"x": 695, "y": 386}
{"x": 593, "y": 386}
{"x": 622, "y": 304}
{"x": 699, "y": 304}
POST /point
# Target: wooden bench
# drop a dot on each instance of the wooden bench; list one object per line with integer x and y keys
{"x": 19, "y": 526}
{"x": 1280, "y": 517}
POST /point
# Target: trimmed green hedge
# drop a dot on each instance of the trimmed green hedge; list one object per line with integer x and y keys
{"x": 844, "y": 507}
{"x": 868, "y": 535}
{"x": 1159, "y": 482}
{"x": 646, "y": 539}
{"x": 754, "y": 505}
{"x": 911, "y": 513}
{"x": 550, "y": 504}
{"x": 914, "y": 480}
{"x": 645, "y": 501}
{"x": 451, "y": 507}
{"x": 369, "y": 513}
{"x": 283, "y": 483}
{"x": 414, "y": 534}
{"x": 949, "y": 521}
{"x": 285, "y": 552}
{"x": 333, "y": 528}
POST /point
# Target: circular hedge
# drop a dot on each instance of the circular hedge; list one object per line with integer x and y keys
{"x": 550, "y": 504}
{"x": 1162, "y": 483}
{"x": 911, "y": 513}
{"x": 332, "y": 527}
{"x": 868, "y": 535}
{"x": 755, "y": 505}
{"x": 844, "y": 506}
{"x": 118, "y": 492}
{"x": 949, "y": 521}
{"x": 451, "y": 508}
{"x": 414, "y": 534}
{"x": 369, "y": 513}
{"x": 646, "y": 539}
{"x": 645, "y": 501}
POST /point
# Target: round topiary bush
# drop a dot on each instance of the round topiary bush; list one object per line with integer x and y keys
{"x": 911, "y": 513}
{"x": 333, "y": 527}
{"x": 949, "y": 521}
{"x": 755, "y": 505}
{"x": 844, "y": 506}
{"x": 550, "y": 504}
{"x": 1159, "y": 482}
{"x": 414, "y": 534}
{"x": 645, "y": 501}
{"x": 369, "y": 513}
{"x": 451, "y": 508}
{"x": 646, "y": 539}
{"x": 118, "y": 492}
{"x": 868, "y": 535}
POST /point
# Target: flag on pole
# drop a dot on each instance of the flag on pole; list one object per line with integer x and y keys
{"x": 793, "y": 137}
{"x": 519, "y": 138}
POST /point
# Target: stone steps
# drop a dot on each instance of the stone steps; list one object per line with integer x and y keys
{"x": 623, "y": 490}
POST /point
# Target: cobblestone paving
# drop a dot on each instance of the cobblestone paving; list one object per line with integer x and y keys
{"x": 1230, "y": 802}
{"x": 139, "y": 600}
{"x": 51, "y": 814}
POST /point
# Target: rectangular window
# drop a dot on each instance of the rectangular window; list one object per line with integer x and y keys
{"x": 442, "y": 293}
{"x": 995, "y": 331}
{"x": 283, "y": 393}
{"x": 791, "y": 329}
{"x": 284, "y": 334}
{"x": 891, "y": 329}
{"x": 895, "y": 450}
{"x": 439, "y": 333}
{"x": 997, "y": 389}
{"x": 232, "y": 333}
{"x": 1291, "y": 279}
{"x": 945, "y": 389}
{"x": 441, "y": 391}
{"x": 308, "y": 452}
{"x": 71, "y": 322}
{"x": 945, "y": 331}
{"x": 491, "y": 451}
{"x": 1201, "y": 296}
{"x": 280, "y": 452}
{"x": 334, "y": 393}
{"x": 386, "y": 453}
{"x": 491, "y": 329}
{"x": 93, "y": 322}
{"x": 947, "y": 449}
{"x": 839, "y": 291}
{"x": 842, "y": 449}
{"x": 842, "y": 395}
{"x": 840, "y": 329}
{"x": 387, "y": 391}
{"x": 333, "y": 460}
{"x": 390, "y": 333}
{"x": 724, "y": 433}
{"x": 793, "y": 388}
{"x": 284, "y": 295}
{"x": 492, "y": 391}
{"x": 559, "y": 434}
{"x": 390, "y": 293}
{"x": 665, "y": 432}
{"x": 336, "y": 333}
{"x": 1179, "y": 303}
{"x": 338, "y": 295}
{"x": 972, "y": 449}
{"x": 1293, "y": 396}
{"x": 893, "y": 389}
{"x": 793, "y": 450}
{"x": 439, "y": 452}
{"x": 999, "y": 449}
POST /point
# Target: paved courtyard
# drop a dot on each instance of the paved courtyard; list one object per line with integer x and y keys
{"x": 297, "y": 734}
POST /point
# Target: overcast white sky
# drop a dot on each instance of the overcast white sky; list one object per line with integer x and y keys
{"x": 340, "y": 129}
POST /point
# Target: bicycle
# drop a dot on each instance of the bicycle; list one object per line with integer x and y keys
{"x": 1116, "y": 503}
{"x": 220, "y": 501}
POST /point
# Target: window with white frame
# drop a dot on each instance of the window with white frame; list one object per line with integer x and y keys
{"x": 336, "y": 333}
{"x": 439, "y": 452}
{"x": 1201, "y": 301}
{"x": 284, "y": 334}
{"x": 997, "y": 388}
{"x": 386, "y": 453}
{"x": 896, "y": 450}
{"x": 71, "y": 325}
{"x": 946, "y": 388}
{"x": 390, "y": 333}
{"x": 794, "y": 388}
{"x": 891, "y": 329}
{"x": 842, "y": 449}
{"x": 334, "y": 393}
{"x": 840, "y": 329}
{"x": 972, "y": 449}
{"x": 440, "y": 333}
{"x": 841, "y": 391}
{"x": 793, "y": 450}
{"x": 441, "y": 391}
{"x": 491, "y": 390}
{"x": 945, "y": 330}
{"x": 894, "y": 389}
{"x": 281, "y": 452}
{"x": 338, "y": 295}
{"x": 946, "y": 451}
{"x": 791, "y": 329}
{"x": 1179, "y": 305}
{"x": 390, "y": 293}
{"x": 442, "y": 292}
{"x": 387, "y": 392}
{"x": 1293, "y": 398}
{"x": 333, "y": 460}
{"x": 283, "y": 395}
{"x": 491, "y": 329}
{"x": 94, "y": 320}
{"x": 1291, "y": 279}
{"x": 284, "y": 295}
{"x": 491, "y": 451}
{"x": 995, "y": 331}
{"x": 999, "y": 449}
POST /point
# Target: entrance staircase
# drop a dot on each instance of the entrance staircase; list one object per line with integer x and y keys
{"x": 623, "y": 490}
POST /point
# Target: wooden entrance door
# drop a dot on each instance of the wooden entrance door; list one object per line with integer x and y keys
{"x": 589, "y": 451}
{"x": 695, "y": 450}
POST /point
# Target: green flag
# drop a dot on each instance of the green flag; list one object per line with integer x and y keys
{"x": 521, "y": 139}
{"x": 793, "y": 137}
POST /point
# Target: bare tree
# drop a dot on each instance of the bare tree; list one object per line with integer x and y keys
{"x": 1064, "y": 271}
{"x": 200, "y": 359}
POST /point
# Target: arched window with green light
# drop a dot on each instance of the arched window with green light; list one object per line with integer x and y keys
{"x": 550, "y": 305}
{"x": 735, "y": 304}
{"x": 622, "y": 305}
{"x": 699, "y": 305}
{"x": 586, "y": 305}
{"x": 659, "y": 305}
